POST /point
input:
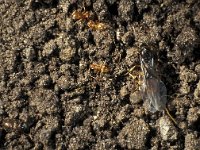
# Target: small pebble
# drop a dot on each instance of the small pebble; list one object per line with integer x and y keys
{"x": 167, "y": 129}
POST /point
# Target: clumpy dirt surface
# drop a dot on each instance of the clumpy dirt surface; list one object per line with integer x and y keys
{"x": 64, "y": 81}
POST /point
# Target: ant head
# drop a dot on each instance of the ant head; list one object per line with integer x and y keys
{"x": 146, "y": 58}
{"x": 146, "y": 54}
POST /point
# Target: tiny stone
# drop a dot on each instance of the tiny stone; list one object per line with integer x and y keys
{"x": 135, "y": 97}
{"x": 123, "y": 91}
{"x": 197, "y": 69}
{"x": 167, "y": 130}
{"x": 29, "y": 53}
{"x": 193, "y": 115}
{"x": 49, "y": 48}
{"x": 185, "y": 88}
{"x": 197, "y": 91}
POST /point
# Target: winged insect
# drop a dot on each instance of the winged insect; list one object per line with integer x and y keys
{"x": 153, "y": 89}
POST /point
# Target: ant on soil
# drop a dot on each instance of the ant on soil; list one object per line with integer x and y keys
{"x": 78, "y": 15}
{"x": 99, "y": 68}
{"x": 85, "y": 15}
{"x": 150, "y": 85}
{"x": 95, "y": 25}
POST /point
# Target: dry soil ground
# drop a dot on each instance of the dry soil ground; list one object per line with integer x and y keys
{"x": 50, "y": 97}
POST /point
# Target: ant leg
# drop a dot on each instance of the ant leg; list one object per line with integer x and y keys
{"x": 137, "y": 80}
{"x": 102, "y": 66}
{"x": 170, "y": 116}
{"x": 133, "y": 76}
{"x": 130, "y": 70}
{"x": 138, "y": 74}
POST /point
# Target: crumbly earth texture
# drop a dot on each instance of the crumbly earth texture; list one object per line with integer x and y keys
{"x": 51, "y": 98}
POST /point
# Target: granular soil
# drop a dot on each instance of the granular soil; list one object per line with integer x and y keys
{"x": 51, "y": 98}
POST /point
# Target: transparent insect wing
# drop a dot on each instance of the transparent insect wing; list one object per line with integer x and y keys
{"x": 156, "y": 93}
{"x": 163, "y": 94}
{"x": 153, "y": 89}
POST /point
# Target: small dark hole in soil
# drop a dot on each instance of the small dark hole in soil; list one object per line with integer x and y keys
{"x": 49, "y": 36}
{"x": 126, "y": 100}
{"x": 55, "y": 3}
{"x": 170, "y": 79}
{"x": 113, "y": 9}
{"x": 196, "y": 125}
{"x": 115, "y": 131}
{"x": 163, "y": 56}
{"x": 97, "y": 89}
{"x": 118, "y": 147}
{"x": 37, "y": 5}
{"x": 196, "y": 53}
{"x": 2, "y": 137}
{"x": 92, "y": 131}
{"x": 124, "y": 23}
{"x": 173, "y": 143}
{"x": 91, "y": 38}
{"x": 150, "y": 135}
{"x": 52, "y": 139}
